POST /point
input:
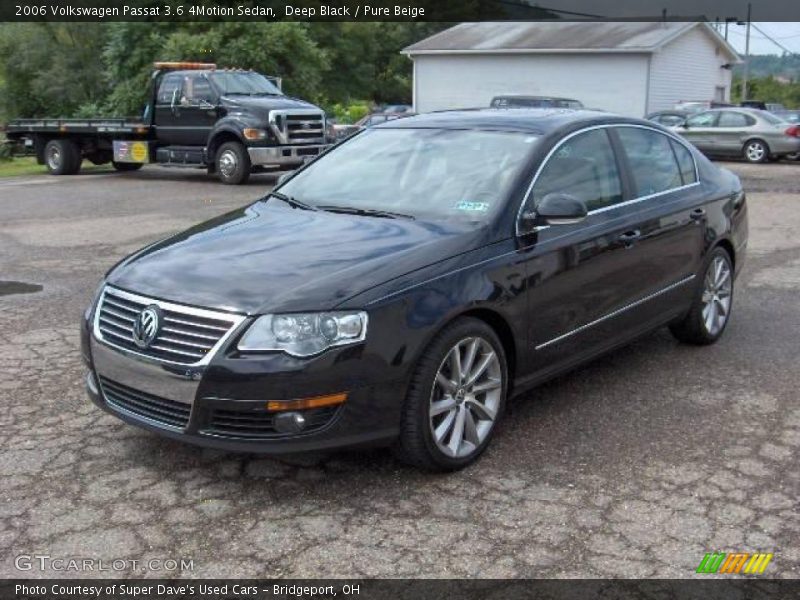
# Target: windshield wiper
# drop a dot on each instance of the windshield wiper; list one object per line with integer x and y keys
{"x": 292, "y": 201}
{"x": 367, "y": 212}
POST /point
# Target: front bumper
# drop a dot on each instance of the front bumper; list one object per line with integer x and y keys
{"x": 223, "y": 405}
{"x": 280, "y": 156}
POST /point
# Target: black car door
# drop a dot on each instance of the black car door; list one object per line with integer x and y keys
{"x": 669, "y": 212}
{"x": 581, "y": 275}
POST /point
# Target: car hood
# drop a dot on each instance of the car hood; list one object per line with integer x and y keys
{"x": 271, "y": 257}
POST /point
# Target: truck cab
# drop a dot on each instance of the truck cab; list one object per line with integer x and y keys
{"x": 232, "y": 121}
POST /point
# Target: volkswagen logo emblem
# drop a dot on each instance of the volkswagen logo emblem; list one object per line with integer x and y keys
{"x": 146, "y": 326}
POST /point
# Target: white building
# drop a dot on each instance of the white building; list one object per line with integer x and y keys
{"x": 627, "y": 68}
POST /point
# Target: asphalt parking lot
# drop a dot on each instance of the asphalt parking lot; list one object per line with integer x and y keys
{"x": 633, "y": 466}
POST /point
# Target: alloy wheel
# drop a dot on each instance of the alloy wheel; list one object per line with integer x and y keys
{"x": 717, "y": 293}
{"x": 466, "y": 397}
{"x": 755, "y": 151}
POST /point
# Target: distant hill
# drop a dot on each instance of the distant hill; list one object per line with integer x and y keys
{"x": 763, "y": 65}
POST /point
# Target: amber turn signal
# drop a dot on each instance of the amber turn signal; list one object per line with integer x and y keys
{"x": 313, "y": 402}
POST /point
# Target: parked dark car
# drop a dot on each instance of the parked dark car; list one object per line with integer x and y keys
{"x": 401, "y": 287}
{"x": 773, "y": 107}
{"x": 669, "y": 118}
{"x": 755, "y": 135}
{"x": 519, "y": 101}
{"x": 397, "y": 109}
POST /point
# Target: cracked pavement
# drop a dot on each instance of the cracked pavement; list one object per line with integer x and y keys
{"x": 635, "y": 465}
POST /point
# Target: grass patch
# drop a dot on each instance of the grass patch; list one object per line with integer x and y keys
{"x": 26, "y": 165}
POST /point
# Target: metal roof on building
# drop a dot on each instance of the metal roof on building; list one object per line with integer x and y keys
{"x": 558, "y": 37}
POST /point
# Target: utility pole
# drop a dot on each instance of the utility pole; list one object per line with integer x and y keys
{"x": 746, "y": 56}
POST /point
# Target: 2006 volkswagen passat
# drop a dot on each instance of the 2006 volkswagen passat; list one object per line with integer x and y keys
{"x": 400, "y": 288}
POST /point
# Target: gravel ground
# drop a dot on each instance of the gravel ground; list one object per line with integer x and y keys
{"x": 633, "y": 466}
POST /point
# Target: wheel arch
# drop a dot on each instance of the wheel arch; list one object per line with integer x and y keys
{"x": 501, "y": 327}
{"x": 728, "y": 246}
{"x": 216, "y": 140}
{"x": 755, "y": 138}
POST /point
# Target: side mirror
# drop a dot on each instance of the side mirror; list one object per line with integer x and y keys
{"x": 684, "y": 125}
{"x": 560, "y": 209}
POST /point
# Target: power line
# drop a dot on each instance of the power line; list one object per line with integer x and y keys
{"x": 778, "y": 44}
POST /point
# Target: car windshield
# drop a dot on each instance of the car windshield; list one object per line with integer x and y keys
{"x": 244, "y": 83}
{"x": 423, "y": 173}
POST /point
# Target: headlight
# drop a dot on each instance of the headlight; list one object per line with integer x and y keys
{"x": 304, "y": 334}
{"x": 254, "y": 134}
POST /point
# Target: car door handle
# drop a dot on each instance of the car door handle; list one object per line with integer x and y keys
{"x": 698, "y": 213}
{"x": 629, "y": 237}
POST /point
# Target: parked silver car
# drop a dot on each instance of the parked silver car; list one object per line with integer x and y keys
{"x": 755, "y": 135}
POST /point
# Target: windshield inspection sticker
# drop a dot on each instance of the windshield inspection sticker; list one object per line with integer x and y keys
{"x": 473, "y": 206}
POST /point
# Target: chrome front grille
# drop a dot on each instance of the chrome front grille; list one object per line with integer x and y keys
{"x": 187, "y": 336}
{"x": 298, "y": 126}
{"x": 154, "y": 408}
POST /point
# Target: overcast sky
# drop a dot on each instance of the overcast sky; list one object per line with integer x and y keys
{"x": 786, "y": 34}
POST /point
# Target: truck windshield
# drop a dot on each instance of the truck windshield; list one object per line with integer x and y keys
{"x": 429, "y": 174}
{"x": 244, "y": 83}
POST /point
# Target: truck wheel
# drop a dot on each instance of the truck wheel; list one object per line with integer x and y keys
{"x": 62, "y": 157}
{"x": 233, "y": 163}
{"x": 121, "y": 166}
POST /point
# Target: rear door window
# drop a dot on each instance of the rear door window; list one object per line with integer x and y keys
{"x": 685, "y": 162}
{"x": 733, "y": 119}
{"x": 653, "y": 165}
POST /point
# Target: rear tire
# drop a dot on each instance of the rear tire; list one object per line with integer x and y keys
{"x": 756, "y": 151}
{"x": 233, "y": 163}
{"x": 62, "y": 157}
{"x": 713, "y": 300}
{"x": 453, "y": 405}
{"x": 123, "y": 167}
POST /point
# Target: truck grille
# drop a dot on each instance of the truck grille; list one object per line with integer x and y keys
{"x": 166, "y": 412}
{"x": 258, "y": 424}
{"x": 299, "y": 126}
{"x": 186, "y": 336}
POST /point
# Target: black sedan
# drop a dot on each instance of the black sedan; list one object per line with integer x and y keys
{"x": 399, "y": 289}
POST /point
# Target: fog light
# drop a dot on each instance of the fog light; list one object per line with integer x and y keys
{"x": 289, "y": 422}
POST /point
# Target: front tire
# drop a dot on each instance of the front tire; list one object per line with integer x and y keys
{"x": 233, "y": 163}
{"x": 711, "y": 308}
{"x": 756, "y": 151}
{"x": 62, "y": 157}
{"x": 456, "y": 397}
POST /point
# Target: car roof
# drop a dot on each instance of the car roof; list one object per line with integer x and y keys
{"x": 531, "y": 120}
{"x": 527, "y": 97}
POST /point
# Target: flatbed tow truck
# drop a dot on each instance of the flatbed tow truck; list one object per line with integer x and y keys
{"x": 230, "y": 122}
